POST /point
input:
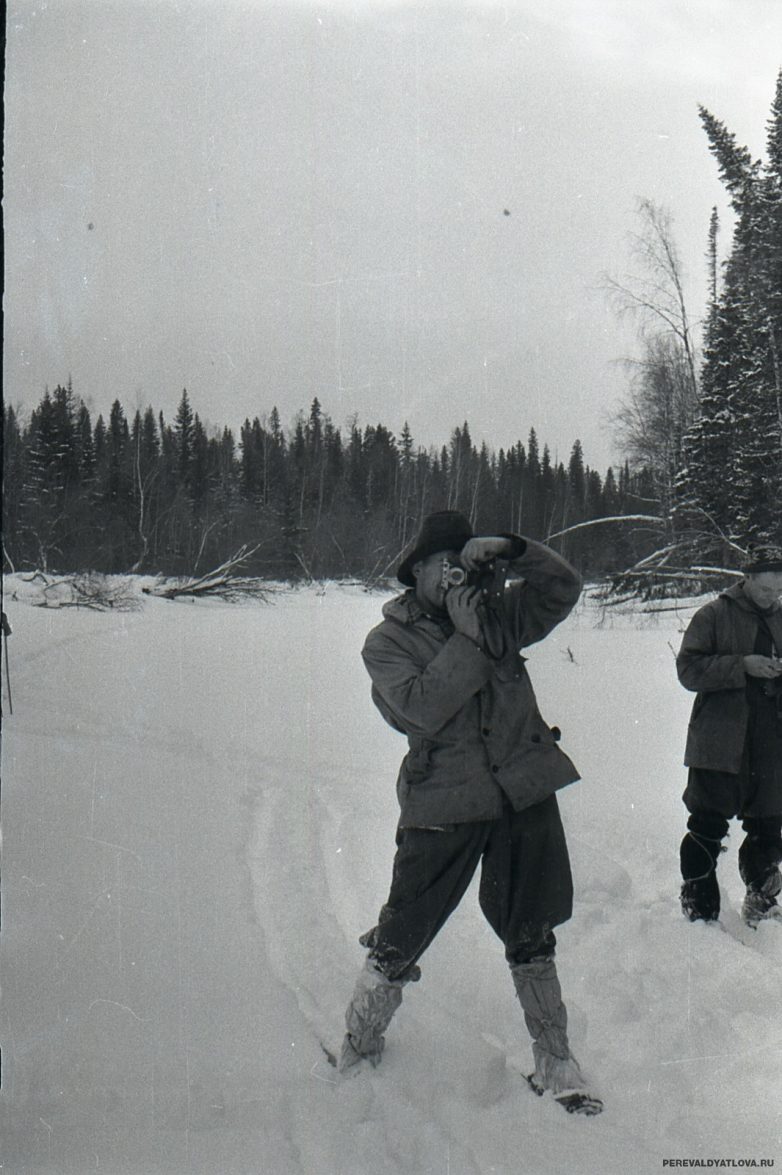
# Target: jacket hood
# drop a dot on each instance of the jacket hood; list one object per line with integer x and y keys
{"x": 399, "y": 608}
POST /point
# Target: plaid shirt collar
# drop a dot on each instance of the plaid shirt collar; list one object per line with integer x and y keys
{"x": 415, "y": 613}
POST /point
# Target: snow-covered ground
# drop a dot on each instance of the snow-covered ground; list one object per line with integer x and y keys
{"x": 198, "y": 811}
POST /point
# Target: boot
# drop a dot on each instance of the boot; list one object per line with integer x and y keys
{"x": 700, "y": 899}
{"x": 760, "y": 901}
{"x": 556, "y": 1069}
{"x": 375, "y": 999}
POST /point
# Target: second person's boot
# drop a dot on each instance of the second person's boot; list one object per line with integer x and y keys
{"x": 760, "y": 901}
{"x": 698, "y": 855}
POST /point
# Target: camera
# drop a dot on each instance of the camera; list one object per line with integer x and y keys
{"x": 489, "y": 578}
{"x": 453, "y": 576}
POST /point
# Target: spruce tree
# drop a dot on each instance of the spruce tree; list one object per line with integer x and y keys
{"x": 732, "y": 475}
{"x": 183, "y": 434}
{"x": 13, "y": 480}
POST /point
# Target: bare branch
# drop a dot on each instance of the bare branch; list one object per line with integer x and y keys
{"x": 601, "y": 521}
{"x": 219, "y": 581}
{"x": 90, "y": 589}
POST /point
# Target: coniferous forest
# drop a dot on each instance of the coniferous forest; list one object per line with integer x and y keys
{"x": 156, "y": 496}
{"x": 699, "y": 484}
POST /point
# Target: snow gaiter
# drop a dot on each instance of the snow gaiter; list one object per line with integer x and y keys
{"x": 759, "y": 858}
{"x": 540, "y": 996}
{"x": 761, "y": 851}
{"x": 375, "y": 999}
{"x": 698, "y": 856}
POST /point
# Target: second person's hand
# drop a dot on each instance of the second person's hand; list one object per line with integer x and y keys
{"x": 756, "y": 665}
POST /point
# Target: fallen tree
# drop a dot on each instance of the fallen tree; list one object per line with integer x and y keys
{"x": 220, "y": 581}
{"x": 690, "y": 563}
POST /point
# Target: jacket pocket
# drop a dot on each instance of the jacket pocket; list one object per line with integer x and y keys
{"x": 418, "y": 761}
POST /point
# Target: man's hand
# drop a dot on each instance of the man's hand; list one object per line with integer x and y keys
{"x": 462, "y": 604}
{"x": 756, "y": 665}
{"x": 481, "y": 550}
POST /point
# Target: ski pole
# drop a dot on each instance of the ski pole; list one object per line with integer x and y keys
{"x": 6, "y": 633}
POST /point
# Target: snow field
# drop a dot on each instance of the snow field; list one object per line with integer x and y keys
{"x": 199, "y": 817}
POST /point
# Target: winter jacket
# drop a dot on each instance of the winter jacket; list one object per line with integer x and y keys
{"x": 472, "y": 723}
{"x": 711, "y": 661}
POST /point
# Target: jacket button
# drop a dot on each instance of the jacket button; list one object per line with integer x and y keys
{"x": 485, "y": 732}
{"x": 536, "y": 738}
{"x": 495, "y": 768}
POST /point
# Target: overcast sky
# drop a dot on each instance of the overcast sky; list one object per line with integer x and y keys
{"x": 402, "y": 209}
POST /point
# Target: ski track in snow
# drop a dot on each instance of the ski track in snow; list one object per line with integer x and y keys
{"x": 250, "y": 733}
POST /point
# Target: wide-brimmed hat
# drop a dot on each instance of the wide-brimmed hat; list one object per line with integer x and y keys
{"x": 446, "y": 530}
{"x": 762, "y": 557}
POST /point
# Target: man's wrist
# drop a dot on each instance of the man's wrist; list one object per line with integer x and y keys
{"x": 474, "y": 640}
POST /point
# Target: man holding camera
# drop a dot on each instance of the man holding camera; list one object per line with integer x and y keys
{"x": 478, "y": 782}
{"x": 731, "y": 655}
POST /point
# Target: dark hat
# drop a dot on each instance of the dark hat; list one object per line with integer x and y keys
{"x": 447, "y": 530}
{"x": 762, "y": 557}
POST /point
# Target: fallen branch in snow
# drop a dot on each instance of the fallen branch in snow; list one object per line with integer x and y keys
{"x": 687, "y": 565}
{"x": 87, "y": 589}
{"x": 601, "y": 595}
{"x": 684, "y": 565}
{"x": 681, "y": 573}
{"x": 220, "y": 582}
{"x": 662, "y": 582}
{"x": 680, "y": 607}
